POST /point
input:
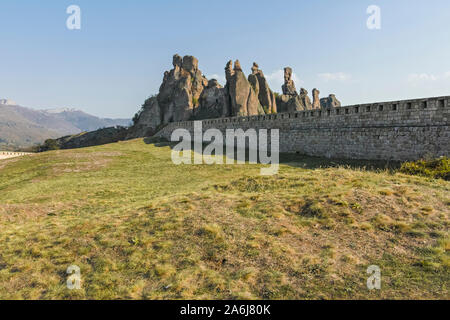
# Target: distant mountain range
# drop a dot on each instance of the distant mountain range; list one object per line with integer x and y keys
{"x": 22, "y": 127}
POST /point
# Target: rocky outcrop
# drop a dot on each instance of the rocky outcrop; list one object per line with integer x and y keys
{"x": 147, "y": 120}
{"x": 213, "y": 102}
{"x": 289, "y": 101}
{"x": 265, "y": 96}
{"x": 316, "y": 99}
{"x": 86, "y": 139}
{"x": 330, "y": 102}
{"x": 243, "y": 97}
{"x": 177, "y": 100}
{"x": 185, "y": 94}
{"x": 305, "y": 100}
{"x": 181, "y": 89}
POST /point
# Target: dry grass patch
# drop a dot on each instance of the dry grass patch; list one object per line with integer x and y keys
{"x": 140, "y": 227}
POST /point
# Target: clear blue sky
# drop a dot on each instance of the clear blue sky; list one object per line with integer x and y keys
{"x": 117, "y": 59}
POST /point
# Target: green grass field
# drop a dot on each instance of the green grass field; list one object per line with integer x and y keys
{"x": 140, "y": 227}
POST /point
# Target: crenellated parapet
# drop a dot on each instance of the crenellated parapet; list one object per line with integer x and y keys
{"x": 10, "y": 154}
{"x": 394, "y": 130}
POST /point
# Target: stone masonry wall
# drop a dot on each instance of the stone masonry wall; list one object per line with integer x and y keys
{"x": 396, "y": 130}
{"x": 10, "y": 154}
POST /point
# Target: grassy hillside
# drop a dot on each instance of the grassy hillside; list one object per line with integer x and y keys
{"x": 140, "y": 227}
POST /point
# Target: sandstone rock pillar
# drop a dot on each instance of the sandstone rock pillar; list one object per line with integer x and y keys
{"x": 316, "y": 98}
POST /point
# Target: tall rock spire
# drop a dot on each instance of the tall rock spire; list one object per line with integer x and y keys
{"x": 243, "y": 97}
{"x": 289, "y": 85}
{"x": 316, "y": 98}
{"x": 265, "y": 96}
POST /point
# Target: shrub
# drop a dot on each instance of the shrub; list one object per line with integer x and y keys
{"x": 49, "y": 144}
{"x": 136, "y": 117}
{"x": 437, "y": 168}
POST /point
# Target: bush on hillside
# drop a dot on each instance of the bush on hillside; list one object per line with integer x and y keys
{"x": 437, "y": 168}
{"x": 49, "y": 144}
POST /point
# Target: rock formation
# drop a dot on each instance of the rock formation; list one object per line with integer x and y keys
{"x": 178, "y": 97}
{"x": 213, "y": 102}
{"x": 265, "y": 95}
{"x": 185, "y": 94}
{"x": 330, "y": 102}
{"x": 229, "y": 72}
{"x": 305, "y": 100}
{"x": 289, "y": 101}
{"x": 243, "y": 98}
{"x": 289, "y": 85}
{"x": 316, "y": 99}
{"x": 181, "y": 89}
{"x": 147, "y": 120}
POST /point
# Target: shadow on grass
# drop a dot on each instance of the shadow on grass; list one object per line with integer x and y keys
{"x": 304, "y": 161}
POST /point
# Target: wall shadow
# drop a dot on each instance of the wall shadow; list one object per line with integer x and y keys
{"x": 303, "y": 161}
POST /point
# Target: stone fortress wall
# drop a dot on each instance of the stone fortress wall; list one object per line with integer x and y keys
{"x": 10, "y": 154}
{"x": 396, "y": 130}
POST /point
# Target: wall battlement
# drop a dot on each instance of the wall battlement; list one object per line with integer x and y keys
{"x": 394, "y": 130}
{"x": 10, "y": 154}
